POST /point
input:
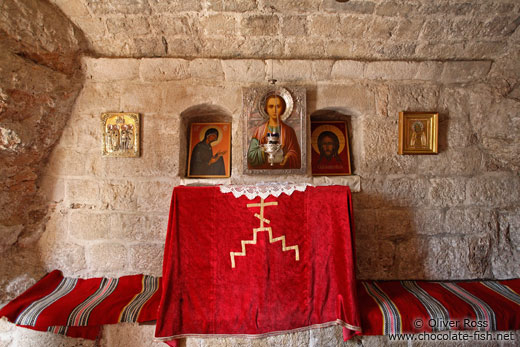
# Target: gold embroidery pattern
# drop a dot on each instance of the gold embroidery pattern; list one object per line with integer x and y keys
{"x": 263, "y": 220}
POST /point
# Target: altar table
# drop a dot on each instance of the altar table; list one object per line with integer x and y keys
{"x": 254, "y": 268}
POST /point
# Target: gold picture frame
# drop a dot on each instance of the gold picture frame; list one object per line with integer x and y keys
{"x": 418, "y": 133}
{"x": 121, "y": 134}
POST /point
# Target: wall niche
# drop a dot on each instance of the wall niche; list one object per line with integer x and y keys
{"x": 202, "y": 113}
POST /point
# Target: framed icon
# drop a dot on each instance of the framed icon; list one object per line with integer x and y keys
{"x": 209, "y": 153}
{"x": 275, "y": 130}
{"x": 330, "y": 148}
{"x": 418, "y": 133}
{"x": 121, "y": 133}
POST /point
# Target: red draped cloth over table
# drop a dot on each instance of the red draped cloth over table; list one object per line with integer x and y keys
{"x": 251, "y": 268}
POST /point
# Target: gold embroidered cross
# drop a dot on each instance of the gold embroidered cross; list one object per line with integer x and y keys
{"x": 263, "y": 220}
{"x": 260, "y": 216}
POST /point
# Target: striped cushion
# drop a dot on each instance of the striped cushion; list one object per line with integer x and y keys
{"x": 390, "y": 307}
{"x": 78, "y": 307}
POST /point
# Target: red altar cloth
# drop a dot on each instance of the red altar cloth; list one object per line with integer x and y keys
{"x": 254, "y": 271}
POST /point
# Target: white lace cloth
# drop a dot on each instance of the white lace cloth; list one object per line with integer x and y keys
{"x": 263, "y": 190}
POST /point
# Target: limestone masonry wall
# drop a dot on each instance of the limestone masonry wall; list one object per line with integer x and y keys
{"x": 455, "y": 215}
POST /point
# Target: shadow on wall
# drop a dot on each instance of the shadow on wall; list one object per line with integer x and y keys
{"x": 203, "y": 113}
{"x": 388, "y": 246}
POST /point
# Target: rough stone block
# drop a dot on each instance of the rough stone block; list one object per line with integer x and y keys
{"x": 413, "y": 96}
{"x": 67, "y": 162}
{"x": 94, "y": 30}
{"x": 406, "y": 191}
{"x": 348, "y": 69}
{"x": 371, "y": 195}
{"x": 494, "y": 190}
{"x": 156, "y": 70}
{"x": 132, "y": 25}
{"x": 289, "y": 6}
{"x": 321, "y": 70}
{"x": 465, "y": 71}
{"x": 58, "y": 252}
{"x": 173, "y": 6}
{"x": 232, "y": 6}
{"x": 111, "y": 258}
{"x": 253, "y": 47}
{"x": 382, "y": 28}
{"x": 449, "y": 258}
{"x": 147, "y": 258}
{"x": 446, "y": 192}
{"x": 141, "y": 98}
{"x": 331, "y": 336}
{"x": 138, "y": 227}
{"x": 409, "y": 29}
{"x": 88, "y": 135}
{"x": 506, "y": 252}
{"x": 366, "y": 222}
{"x": 120, "y": 7}
{"x": 96, "y": 98}
{"x": 313, "y": 48}
{"x": 375, "y": 259}
{"x": 247, "y": 70}
{"x": 260, "y": 25}
{"x": 427, "y": 221}
{"x": 377, "y": 341}
{"x": 393, "y": 224}
{"x": 353, "y": 26}
{"x": 207, "y": 69}
{"x": 355, "y": 6}
{"x": 108, "y": 70}
{"x": 324, "y": 25}
{"x": 465, "y": 161}
{"x": 82, "y": 193}
{"x": 429, "y": 71}
{"x": 188, "y": 95}
{"x": 290, "y": 70}
{"x": 294, "y": 25}
{"x": 394, "y": 8}
{"x": 219, "y": 24}
{"x": 471, "y": 221}
{"x": 458, "y": 132}
{"x": 73, "y": 9}
{"x": 154, "y": 196}
{"x": 32, "y": 338}
{"x": 391, "y": 70}
{"x": 88, "y": 226}
{"x": 352, "y": 99}
{"x": 170, "y": 45}
{"x": 118, "y": 195}
{"x": 128, "y": 334}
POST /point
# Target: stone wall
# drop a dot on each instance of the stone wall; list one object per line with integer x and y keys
{"x": 367, "y": 29}
{"x": 446, "y": 216}
{"x": 455, "y": 215}
{"x": 39, "y": 81}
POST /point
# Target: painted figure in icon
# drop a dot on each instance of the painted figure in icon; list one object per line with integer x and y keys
{"x": 267, "y": 136}
{"x": 418, "y": 138}
{"x": 203, "y": 161}
{"x": 328, "y": 145}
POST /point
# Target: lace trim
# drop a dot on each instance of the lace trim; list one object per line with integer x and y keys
{"x": 263, "y": 190}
